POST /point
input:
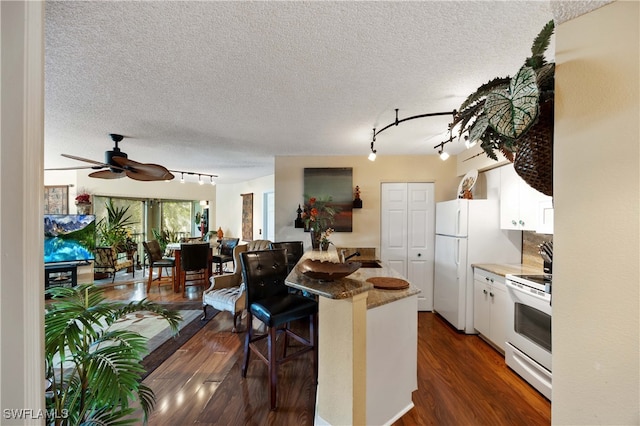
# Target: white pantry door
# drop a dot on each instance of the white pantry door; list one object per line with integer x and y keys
{"x": 407, "y": 234}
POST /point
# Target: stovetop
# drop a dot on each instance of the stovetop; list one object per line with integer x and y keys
{"x": 540, "y": 282}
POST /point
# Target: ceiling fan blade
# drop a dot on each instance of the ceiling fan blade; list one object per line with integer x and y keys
{"x": 106, "y": 174}
{"x": 143, "y": 171}
{"x": 73, "y": 168}
{"x": 86, "y": 160}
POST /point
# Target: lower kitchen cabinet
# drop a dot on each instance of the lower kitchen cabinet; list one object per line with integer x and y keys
{"x": 490, "y": 305}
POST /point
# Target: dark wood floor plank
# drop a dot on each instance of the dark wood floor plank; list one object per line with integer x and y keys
{"x": 461, "y": 379}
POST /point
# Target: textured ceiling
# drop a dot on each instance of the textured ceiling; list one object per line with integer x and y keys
{"x": 223, "y": 87}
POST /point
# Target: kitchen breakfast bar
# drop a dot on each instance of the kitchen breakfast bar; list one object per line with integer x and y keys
{"x": 367, "y": 344}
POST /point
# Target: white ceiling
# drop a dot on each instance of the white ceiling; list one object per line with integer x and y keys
{"x": 223, "y": 87}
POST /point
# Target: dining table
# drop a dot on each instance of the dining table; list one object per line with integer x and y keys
{"x": 175, "y": 249}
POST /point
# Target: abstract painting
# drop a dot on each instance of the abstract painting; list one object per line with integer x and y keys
{"x": 335, "y": 183}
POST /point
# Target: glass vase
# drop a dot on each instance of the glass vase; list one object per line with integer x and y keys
{"x": 315, "y": 239}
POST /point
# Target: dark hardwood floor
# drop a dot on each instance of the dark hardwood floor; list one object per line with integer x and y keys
{"x": 461, "y": 379}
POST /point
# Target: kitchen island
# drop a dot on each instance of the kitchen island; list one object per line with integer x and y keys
{"x": 367, "y": 345}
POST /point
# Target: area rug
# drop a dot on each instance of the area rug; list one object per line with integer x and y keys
{"x": 162, "y": 343}
{"x": 170, "y": 345}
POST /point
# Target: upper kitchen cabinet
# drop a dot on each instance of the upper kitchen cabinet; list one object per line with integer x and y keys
{"x": 519, "y": 203}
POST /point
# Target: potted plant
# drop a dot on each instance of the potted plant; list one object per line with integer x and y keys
{"x": 324, "y": 238}
{"x": 514, "y": 115}
{"x": 113, "y": 230}
{"x": 94, "y": 372}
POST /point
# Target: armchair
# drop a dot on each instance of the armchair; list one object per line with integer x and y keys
{"x": 107, "y": 261}
{"x": 254, "y": 245}
{"x": 226, "y": 292}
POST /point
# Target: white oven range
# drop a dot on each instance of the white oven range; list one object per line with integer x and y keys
{"x": 528, "y": 348}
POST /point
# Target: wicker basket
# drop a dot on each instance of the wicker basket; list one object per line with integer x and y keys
{"x": 534, "y": 159}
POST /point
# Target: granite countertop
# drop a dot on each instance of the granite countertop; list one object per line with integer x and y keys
{"x": 505, "y": 269}
{"x": 350, "y": 285}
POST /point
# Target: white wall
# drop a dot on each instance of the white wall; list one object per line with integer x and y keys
{"x": 596, "y": 346}
{"x": 289, "y": 185}
{"x": 228, "y": 206}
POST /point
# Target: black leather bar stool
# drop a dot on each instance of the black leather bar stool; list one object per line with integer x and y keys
{"x": 295, "y": 250}
{"x": 269, "y": 300}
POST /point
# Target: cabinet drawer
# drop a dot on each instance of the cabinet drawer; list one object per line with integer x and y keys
{"x": 488, "y": 277}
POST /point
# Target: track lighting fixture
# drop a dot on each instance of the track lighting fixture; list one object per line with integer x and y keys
{"x": 372, "y": 155}
{"x": 440, "y": 147}
{"x": 212, "y": 182}
{"x": 200, "y": 175}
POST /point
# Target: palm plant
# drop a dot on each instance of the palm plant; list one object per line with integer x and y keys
{"x": 112, "y": 230}
{"x": 95, "y": 371}
{"x": 502, "y": 110}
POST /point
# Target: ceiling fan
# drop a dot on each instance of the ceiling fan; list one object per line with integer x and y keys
{"x": 117, "y": 165}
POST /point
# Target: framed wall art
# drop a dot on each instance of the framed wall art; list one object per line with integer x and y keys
{"x": 56, "y": 199}
{"x": 247, "y": 217}
{"x": 335, "y": 183}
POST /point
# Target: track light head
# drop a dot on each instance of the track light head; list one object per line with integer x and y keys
{"x": 372, "y": 154}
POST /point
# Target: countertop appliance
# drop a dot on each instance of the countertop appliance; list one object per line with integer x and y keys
{"x": 467, "y": 232}
{"x": 528, "y": 348}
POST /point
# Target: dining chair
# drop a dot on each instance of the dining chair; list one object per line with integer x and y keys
{"x": 157, "y": 260}
{"x": 269, "y": 301}
{"x": 194, "y": 264}
{"x": 225, "y": 253}
{"x": 295, "y": 250}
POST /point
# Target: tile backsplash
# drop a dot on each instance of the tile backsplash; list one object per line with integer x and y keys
{"x": 530, "y": 243}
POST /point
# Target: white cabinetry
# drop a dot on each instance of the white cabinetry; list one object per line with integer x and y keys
{"x": 490, "y": 307}
{"x": 519, "y": 203}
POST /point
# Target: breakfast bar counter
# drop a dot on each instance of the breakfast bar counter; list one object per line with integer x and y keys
{"x": 367, "y": 348}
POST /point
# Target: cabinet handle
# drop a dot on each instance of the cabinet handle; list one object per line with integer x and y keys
{"x": 484, "y": 291}
{"x": 486, "y": 278}
{"x": 513, "y": 222}
{"x": 522, "y": 223}
{"x": 491, "y": 294}
{"x": 491, "y": 280}
{"x": 419, "y": 254}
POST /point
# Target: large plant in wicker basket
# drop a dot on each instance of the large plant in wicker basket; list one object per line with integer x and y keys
{"x": 514, "y": 115}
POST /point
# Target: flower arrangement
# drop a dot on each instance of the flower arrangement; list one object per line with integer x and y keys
{"x": 318, "y": 215}
{"x": 83, "y": 198}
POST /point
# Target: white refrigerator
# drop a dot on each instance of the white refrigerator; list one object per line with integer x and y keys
{"x": 467, "y": 232}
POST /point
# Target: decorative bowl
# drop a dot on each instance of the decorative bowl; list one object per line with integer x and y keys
{"x": 327, "y": 271}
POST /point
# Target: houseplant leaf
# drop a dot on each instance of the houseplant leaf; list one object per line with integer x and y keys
{"x": 94, "y": 370}
{"x": 512, "y": 112}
